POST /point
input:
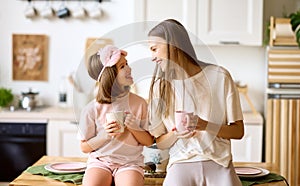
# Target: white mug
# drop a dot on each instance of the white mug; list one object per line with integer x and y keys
{"x": 79, "y": 13}
{"x": 119, "y": 117}
{"x": 95, "y": 12}
{"x": 182, "y": 120}
{"x": 47, "y": 12}
{"x": 30, "y": 12}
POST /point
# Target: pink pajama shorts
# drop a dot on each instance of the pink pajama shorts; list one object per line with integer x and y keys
{"x": 113, "y": 168}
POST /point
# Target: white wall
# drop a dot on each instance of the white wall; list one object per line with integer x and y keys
{"x": 67, "y": 41}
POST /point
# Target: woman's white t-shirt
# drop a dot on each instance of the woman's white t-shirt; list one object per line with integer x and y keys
{"x": 212, "y": 95}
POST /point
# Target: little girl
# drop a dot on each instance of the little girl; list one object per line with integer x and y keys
{"x": 114, "y": 157}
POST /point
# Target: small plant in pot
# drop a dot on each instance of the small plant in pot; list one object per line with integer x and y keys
{"x": 295, "y": 22}
{"x": 6, "y": 97}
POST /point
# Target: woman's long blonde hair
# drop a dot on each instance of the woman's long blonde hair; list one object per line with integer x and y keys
{"x": 180, "y": 51}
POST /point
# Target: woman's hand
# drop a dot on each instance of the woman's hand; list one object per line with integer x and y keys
{"x": 201, "y": 124}
{"x": 185, "y": 134}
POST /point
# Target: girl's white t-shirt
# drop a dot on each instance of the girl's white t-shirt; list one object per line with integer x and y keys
{"x": 212, "y": 95}
{"x": 92, "y": 121}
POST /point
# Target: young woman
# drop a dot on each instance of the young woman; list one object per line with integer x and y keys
{"x": 180, "y": 82}
{"x": 114, "y": 157}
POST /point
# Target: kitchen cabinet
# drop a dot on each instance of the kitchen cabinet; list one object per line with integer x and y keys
{"x": 213, "y": 22}
{"x": 62, "y": 139}
{"x": 249, "y": 148}
{"x": 230, "y": 22}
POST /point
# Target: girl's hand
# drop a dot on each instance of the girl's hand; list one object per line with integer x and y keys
{"x": 131, "y": 122}
{"x": 111, "y": 127}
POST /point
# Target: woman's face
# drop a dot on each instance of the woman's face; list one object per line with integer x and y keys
{"x": 124, "y": 77}
{"x": 158, "y": 48}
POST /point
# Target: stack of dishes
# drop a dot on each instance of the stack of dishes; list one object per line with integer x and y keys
{"x": 251, "y": 172}
{"x": 66, "y": 167}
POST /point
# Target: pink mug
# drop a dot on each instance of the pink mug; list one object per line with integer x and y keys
{"x": 182, "y": 119}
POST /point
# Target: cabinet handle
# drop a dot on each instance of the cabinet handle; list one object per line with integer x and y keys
{"x": 74, "y": 122}
{"x": 229, "y": 42}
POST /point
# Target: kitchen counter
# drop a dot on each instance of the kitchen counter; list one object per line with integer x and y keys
{"x": 38, "y": 113}
{"x": 37, "y": 180}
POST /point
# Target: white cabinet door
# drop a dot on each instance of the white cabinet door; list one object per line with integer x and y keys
{"x": 185, "y": 11}
{"x": 230, "y": 22}
{"x": 249, "y": 148}
{"x": 62, "y": 139}
{"x": 213, "y": 22}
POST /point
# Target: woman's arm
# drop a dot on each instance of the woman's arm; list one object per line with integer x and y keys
{"x": 234, "y": 130}
{"x": 165, "y": 141}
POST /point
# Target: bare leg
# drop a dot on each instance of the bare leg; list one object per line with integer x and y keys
{"x": 129, "y": 178}
{"x": 97, "y": 177}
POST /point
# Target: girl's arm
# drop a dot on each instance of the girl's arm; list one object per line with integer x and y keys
{"x": 143, "y": 137}
{"x": 93, "y": 143}
{"x": 234, "y": 130}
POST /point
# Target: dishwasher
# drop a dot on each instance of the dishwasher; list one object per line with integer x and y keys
{"x": 22, "y": 143}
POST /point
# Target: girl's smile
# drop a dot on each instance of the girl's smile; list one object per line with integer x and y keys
{"x": 124, "y": 77}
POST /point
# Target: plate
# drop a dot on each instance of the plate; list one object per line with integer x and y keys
{"x": 66, "y": 167}
{"x": 251, "y": 172}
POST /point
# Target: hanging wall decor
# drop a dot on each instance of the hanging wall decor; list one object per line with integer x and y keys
{"x": 92, "y": 45}
{"x": 30, "y": 57}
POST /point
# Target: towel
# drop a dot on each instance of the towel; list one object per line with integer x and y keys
{"x": 75, "y": 178}
{"x": 265, "y": 179}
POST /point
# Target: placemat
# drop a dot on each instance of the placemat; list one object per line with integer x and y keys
{"x": 75, "y": 178}
{"x": 265, "y": 179}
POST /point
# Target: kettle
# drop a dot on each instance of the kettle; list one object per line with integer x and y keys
{"x": 28, "y": 100}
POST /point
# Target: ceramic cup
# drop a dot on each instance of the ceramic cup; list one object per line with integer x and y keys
{"x": 79, "y": 13}
{"x": 183, "y": 121}
{"x": 47, "y": 12}
{"x": 63, "y": 12}
{"x": 119, "y": 117}
{"x": 30, "y": 12}
{"x": 95, "y": 12}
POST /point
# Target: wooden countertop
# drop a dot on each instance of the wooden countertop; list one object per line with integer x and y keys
{"x": 37, "y": 180}
{"x": 37, "y": 113}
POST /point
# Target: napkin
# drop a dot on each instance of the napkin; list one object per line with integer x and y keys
{"x": 265, "y": 179}
{"x": 75, "y": 178}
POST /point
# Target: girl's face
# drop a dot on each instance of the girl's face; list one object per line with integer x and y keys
{"x": 124, "y": 77}
{"x": 158, "y": 48}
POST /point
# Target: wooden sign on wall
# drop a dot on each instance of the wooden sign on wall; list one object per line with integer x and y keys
{"x": 30, "y": 57}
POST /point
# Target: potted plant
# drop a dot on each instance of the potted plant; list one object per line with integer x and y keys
{"x": 6, "y": 97}
{"x": 295, "y": 21}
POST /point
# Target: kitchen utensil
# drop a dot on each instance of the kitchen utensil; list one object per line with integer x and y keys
{"x": 252, "y": 172}
{"x": 28, "y": 100}
{"x": 47, "y": 11}
{"x": 63, "y": 11}
{"x": 30, "y": 11}
{"x": 48, "y": 167}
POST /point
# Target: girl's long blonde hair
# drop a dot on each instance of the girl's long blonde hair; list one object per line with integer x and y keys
{"x": 107, "y": 88}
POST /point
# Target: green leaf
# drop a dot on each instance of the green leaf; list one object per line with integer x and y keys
{"x": 5, "y": 97}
